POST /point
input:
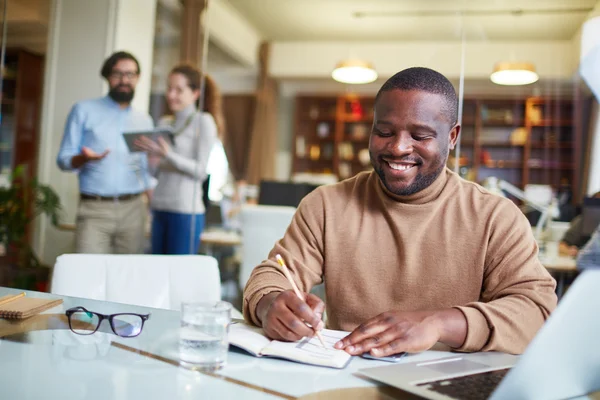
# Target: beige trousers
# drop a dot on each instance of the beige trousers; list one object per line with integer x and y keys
{"x": 106, "y": 227}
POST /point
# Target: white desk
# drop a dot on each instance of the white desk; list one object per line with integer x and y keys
{"x": 212, "y": 238}
{"x": 562, "y": 267}
{"x": 56, "y": 363}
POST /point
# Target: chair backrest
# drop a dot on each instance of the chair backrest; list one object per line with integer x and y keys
{"x": 262, "y": 227}
{"x": 143, "y": 280}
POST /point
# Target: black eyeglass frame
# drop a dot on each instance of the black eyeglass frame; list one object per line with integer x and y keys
{"x": 102, "y": 317}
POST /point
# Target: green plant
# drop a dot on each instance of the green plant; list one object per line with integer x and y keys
{"x": 21, "y": 203}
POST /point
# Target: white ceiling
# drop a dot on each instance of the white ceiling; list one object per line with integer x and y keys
{"x": 27, "y": 24}
{"x": 400, "y": 20}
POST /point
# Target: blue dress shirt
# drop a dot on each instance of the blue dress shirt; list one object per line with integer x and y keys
{"x": 98, "y": 124}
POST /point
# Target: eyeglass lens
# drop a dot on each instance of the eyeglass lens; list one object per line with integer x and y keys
{"x": 127, "y": 324}
{"x": 121, "y": 75}
{"x": 84, "y": 323}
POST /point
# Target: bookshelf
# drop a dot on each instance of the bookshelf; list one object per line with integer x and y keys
{"x": 20, "y": 111}
{"x": 521, "y": 140}
{"x": 332, "y": 134}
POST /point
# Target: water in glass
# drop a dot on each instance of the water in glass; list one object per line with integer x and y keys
{"x": 203, "y": 340}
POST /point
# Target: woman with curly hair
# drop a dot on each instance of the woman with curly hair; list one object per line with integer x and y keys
{"x": 177, "y": 206}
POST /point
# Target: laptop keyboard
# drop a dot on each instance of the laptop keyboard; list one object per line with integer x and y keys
{"x": 470, "y": 387}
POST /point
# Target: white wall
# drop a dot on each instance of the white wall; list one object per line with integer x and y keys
{"x": 82, "y": 34}
{"x": 134, "y": 32}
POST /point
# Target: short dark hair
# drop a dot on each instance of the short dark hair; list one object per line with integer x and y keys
{"x": 426, "y": 80}
{"x": 111, "y": 61}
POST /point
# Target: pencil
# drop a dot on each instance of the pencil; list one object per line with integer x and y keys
{"x": 287, "y": 274}
{"x": 9, "y": 299}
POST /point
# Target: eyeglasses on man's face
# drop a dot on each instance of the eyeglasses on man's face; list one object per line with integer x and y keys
{"x": 84, "y": 322}
{"x": 119, "y": 75}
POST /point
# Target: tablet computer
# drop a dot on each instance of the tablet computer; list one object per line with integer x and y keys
{"x": 164, "y": 132}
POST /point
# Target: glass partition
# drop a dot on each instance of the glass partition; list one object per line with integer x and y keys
{"x": 266, "y": 109}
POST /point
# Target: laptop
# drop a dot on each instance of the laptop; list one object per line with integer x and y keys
{"x": 562, "y": 361}
{"x": 590, "y": 215}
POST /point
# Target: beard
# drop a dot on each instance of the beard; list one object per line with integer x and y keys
{"x": 421, "y": 180}
{"x": 122, "y": 94}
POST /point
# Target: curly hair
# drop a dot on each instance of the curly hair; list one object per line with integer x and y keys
{"x": 213, "y": 102}
{"x": 425, "y": 80}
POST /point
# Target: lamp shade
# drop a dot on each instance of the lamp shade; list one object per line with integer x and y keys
{"x": 354, "y": 72}
{"x": 513, "y": 74}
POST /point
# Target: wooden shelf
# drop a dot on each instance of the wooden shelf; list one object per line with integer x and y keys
{"x": 349, "y": 118}
{"x": 552, "y": 123}
{"x": 552, "y": 166}
{"x": 356, "y": 140}
{"x": 502, "y": 145}
{"x": 558, "y": 145}
{"x": 509, "y": 160}
{"x": 512, "y": 124}
{"x": 316, "y": 120}
{"x": 502, "y": 164}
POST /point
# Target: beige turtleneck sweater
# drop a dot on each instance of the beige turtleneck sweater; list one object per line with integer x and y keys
{"x": 183, "y": 169}
{"x": 453, "y": 244}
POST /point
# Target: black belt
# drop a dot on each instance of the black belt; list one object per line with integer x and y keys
{"x": 96, "y": 197}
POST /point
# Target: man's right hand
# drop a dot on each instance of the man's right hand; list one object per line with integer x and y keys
{"x": 86, "y": 155}
{"x": 90, "y": 155}
{"x": 284, "y": 316}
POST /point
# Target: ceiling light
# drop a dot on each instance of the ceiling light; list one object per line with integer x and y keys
{"x": 509, "y": 73}
{"x": 354, "y": 71}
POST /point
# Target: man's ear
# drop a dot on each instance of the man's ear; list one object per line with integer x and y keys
{"x": 453, "y": 136}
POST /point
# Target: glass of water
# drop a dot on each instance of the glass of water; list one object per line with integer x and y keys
{"x": 203, "y": 341}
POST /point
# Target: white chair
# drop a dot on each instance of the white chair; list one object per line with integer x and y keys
{"x": 143, "y": 280}
{"x": 262, "y": 226}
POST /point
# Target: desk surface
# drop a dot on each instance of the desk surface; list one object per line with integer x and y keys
{"x": 49, "y": 361}
{"x": 559, "y": 264}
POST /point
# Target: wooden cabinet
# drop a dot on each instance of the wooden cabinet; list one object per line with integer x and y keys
{"x": 522, "y": 140}
{"x": 332, "y": 134}
{"x": 20, "y": 112}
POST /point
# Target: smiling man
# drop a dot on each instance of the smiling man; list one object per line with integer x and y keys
{"x": 411, "y": 254}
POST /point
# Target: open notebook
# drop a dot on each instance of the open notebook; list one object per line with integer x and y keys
{"x": 307, "y": 350}
{"x": 24, "y": 307}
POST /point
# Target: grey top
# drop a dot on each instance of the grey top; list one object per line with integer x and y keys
{"x": 184, "y": 168}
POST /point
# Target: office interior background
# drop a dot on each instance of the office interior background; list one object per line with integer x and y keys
{"x": 287, "y": 119}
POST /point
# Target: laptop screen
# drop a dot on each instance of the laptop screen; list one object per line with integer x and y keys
{"x": 590, "y": 215}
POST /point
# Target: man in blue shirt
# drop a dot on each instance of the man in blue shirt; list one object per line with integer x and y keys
{"x": 112, "y": 213}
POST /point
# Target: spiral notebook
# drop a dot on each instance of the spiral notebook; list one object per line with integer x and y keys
{"x": 24, "y": 307}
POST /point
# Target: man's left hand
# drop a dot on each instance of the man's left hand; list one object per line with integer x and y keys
{"x": 394, "y": 332}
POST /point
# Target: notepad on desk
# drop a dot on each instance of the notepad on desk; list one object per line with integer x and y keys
{"x": 24, "y": 307}
{"x": 307, "y": 350}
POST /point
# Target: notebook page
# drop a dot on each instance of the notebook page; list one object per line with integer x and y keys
{"x": 310, "y": 350}
{"x": 247, "y": 337}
